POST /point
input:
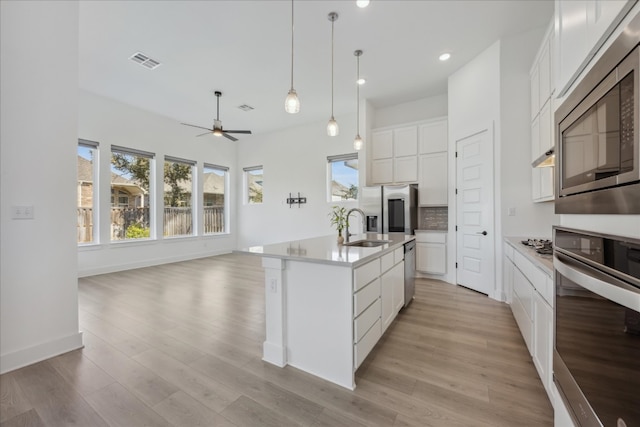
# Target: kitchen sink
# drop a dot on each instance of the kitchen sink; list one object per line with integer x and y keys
{"x": 368, "y": 243}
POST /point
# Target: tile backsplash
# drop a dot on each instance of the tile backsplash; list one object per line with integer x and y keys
{"x": 435, "y": 218}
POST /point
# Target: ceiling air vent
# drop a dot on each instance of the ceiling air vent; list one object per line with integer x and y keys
{"x": 144, "y": 60}
{"x": 245, "y": 107}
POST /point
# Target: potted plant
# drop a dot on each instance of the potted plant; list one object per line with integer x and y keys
{"x": 338, "y": 217}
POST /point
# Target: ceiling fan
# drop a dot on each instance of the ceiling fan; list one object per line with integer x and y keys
{"x": 217, "y": 124}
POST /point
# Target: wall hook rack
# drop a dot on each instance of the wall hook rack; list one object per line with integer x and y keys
{"x": 296, "y": 200}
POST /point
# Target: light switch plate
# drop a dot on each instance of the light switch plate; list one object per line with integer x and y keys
{"x": 511, "y": 212}
{"x": 22, "y": 212}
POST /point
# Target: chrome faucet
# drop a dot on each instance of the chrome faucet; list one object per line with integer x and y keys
{"x": 363, "y": 226}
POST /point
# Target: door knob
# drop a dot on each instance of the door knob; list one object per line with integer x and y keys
{"x": 484, "y": 233}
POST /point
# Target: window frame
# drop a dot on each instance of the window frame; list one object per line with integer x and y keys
{"x": 95, "y": 189}
{"x": 247, "y": 195}
{"x": 341, "y": 158}
{"x": 225, "y": 208}
{"x": 151, "y": 192}
{"x": 193, "y": 200}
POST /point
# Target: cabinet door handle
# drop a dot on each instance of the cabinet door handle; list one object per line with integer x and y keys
{"x": 484, "y": 233}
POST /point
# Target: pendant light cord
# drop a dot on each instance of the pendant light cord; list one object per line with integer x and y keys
{"x": 332, "y": 24}
{"x": 358, "y": 97}
{"x": 292, "y": 29}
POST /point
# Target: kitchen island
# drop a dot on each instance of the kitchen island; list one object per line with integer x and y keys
{"x": 327, "y": 305}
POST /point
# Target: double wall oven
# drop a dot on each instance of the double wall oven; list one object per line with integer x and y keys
{"x": 596, "y": 362}
{"x": 597, "y": 134}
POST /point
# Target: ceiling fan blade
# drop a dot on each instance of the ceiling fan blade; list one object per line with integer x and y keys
{"x": 199, "y": 127}
{"x": 202, "y": 134}
{"x": 229, "y": 136}
{"x": 238, "y": 131}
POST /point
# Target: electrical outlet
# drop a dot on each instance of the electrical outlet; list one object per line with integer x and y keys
{"x": 22, "y": 212}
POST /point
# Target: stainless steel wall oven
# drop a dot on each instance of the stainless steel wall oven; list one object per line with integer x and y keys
{"x": 596, "y": 359}
{"x": 597, "y": 134}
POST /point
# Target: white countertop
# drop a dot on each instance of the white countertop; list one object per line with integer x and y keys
{"x": 325, "y": 249}
{"x": 545, "y": 262}
{"x": 424, "y": 230}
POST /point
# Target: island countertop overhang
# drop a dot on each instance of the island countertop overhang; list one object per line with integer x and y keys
{"x": 326, "y": 250}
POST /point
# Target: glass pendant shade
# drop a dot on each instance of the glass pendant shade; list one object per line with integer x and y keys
{"x": 332, "y": 127}
{"x": 292, "y": 103}
{"x": 358, "y": 143}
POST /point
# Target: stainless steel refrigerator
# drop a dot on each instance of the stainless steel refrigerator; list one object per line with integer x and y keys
{"x": 390, "y": 209}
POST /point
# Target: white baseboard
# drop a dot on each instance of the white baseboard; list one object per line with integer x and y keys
{"x": 28, "y": 356}
{"x": 148, "y": 263}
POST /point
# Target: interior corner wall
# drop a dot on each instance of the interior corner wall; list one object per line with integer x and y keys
{"x": 38, "y": 112}
{"x": 531, "y": 219}
{"x": 293, "y": 159}
{"x": 408, "y": 112}
{"x": 110, "y": 122}
{"x": 474, "y": 105}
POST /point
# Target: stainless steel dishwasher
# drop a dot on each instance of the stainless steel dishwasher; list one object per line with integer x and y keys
{"x": 409, "y": 271}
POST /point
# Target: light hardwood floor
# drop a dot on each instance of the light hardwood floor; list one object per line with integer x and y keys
{"x": 180, "y": 345}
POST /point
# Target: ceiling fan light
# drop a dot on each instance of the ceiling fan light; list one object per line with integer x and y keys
{"x": 332, "y": 127}
{"x": 292, "y": 103}
{"x": 217, "y": 132}
{"x": 358, "y": 143}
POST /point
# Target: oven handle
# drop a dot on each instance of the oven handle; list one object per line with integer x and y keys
{"x": 598, "y": 282}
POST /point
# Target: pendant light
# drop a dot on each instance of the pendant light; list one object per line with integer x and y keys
{"x": 358, "y": 142}
{"x": 292, "y": 103}
{"x": 332, "y": 126}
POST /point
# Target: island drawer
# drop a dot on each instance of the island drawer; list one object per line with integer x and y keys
{"x": 386, "y": 262}
{"x": 365, "y": 321}
{"x": 366, "y": 344}
{"x": 366, "y": 273}
{"x": 365, "y": 296}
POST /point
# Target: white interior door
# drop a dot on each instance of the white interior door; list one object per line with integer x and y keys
{"x": 474, "y": 206}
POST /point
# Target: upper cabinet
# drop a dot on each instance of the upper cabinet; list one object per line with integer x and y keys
{"x": 432, "y": 185}
{"x": 394, "y": 155}
{"x": 542, "y": 138}
{"x": 433, "y": 136}
{"x": 581, "y": 28}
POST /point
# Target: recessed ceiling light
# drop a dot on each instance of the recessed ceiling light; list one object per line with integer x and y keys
{"x": 362, "y": 3}
{"x": 361, "y": 81}
{"x": 444, "y": 56}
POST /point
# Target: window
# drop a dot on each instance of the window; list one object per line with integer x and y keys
{"x": 178, "y": 196}
{"x": 253, "y": 178}
{"x": 87, "y": 191}
{"x": 214, "y": 187}
{"x": 131, "y": 197}
{"x": 343, "y": 177}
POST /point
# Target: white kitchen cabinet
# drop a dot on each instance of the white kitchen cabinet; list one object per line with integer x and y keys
{"x": 433, "y": 136}
{"x": 382, "y": 144}
{"x": 394, "y": 155}
{"x": 432, "y": 185}
{"x": 392, "y": 300}
{"x": 543, "y": 340}
{"x": 381, "y": 171}
{"x": 405, "y": 141}
{"x": 431, "y": 252}
{"x": 531, "y": 305}
{"x": 542, "y": 138}
{"x": 405, "y": 169}
{"x": 582, "y": 27}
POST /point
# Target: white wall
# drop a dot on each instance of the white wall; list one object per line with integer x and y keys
{"x": 531, "y": 219}
{"x": 110, "y": 122}
{"x": 294, "y": 160}
{"x": 414, "y": 111}
{"x": 474, "y": 105}
{"x": 39, "y": 79}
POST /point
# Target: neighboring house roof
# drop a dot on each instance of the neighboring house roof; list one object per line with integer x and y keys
{"x": 337, "y": 188}
{"x": 85, "y": 174}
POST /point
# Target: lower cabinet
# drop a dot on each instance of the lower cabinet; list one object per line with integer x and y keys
{"x": 392, "y": 295}
{"x": 531, "y": 297}
{"x": 431, "y": 252}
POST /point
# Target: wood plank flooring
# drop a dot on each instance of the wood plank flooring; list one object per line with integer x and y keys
{"x": 181, "y": 344}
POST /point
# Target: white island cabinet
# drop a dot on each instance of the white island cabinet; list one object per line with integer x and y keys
{"x": 327, "y": 305}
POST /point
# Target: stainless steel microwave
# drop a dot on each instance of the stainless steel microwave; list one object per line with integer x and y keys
{"x": 597, "y": 152}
